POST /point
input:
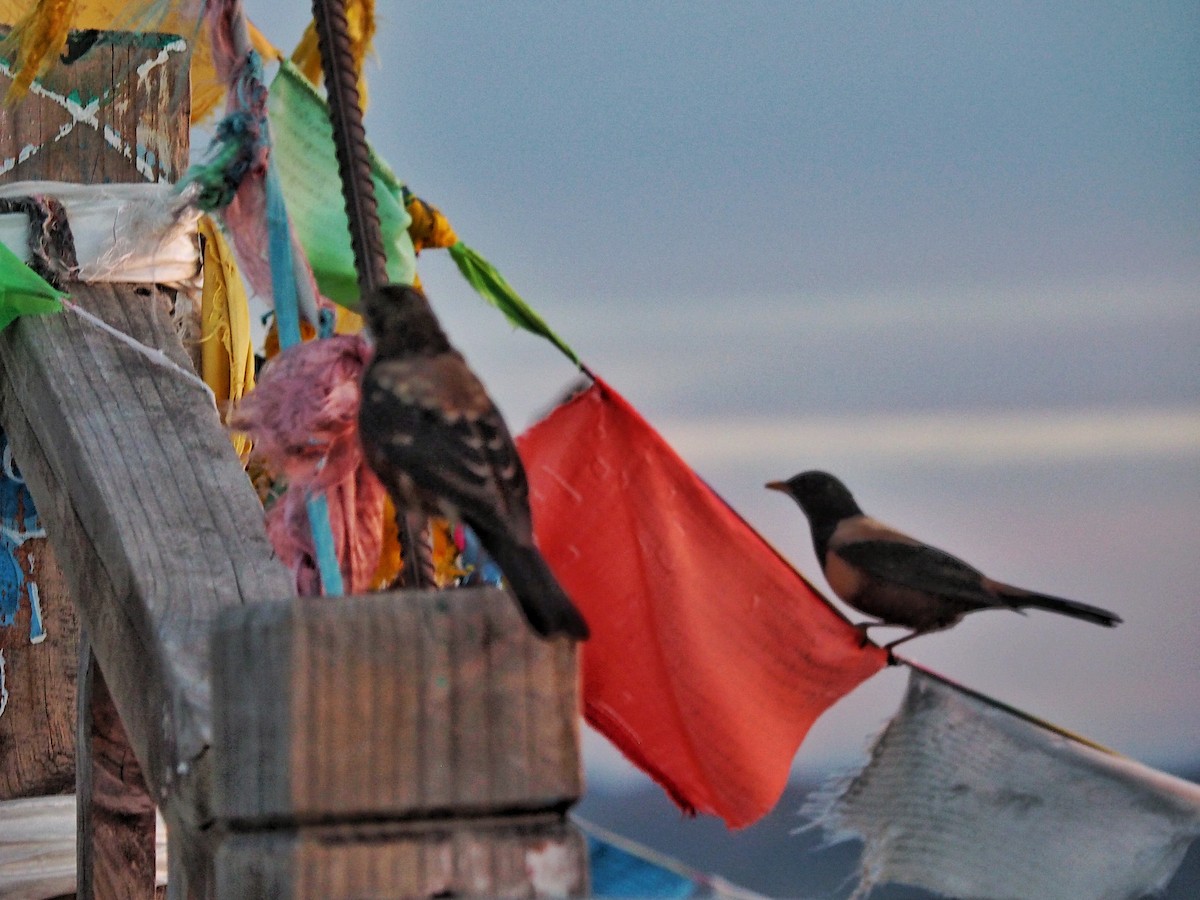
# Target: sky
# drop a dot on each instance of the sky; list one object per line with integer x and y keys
{"x": 947, "y": 251}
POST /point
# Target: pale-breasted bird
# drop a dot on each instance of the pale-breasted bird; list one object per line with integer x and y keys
{"x": 437, "y": 442}
{"x": 897, "y": 579}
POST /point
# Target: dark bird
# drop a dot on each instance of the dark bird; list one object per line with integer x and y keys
{"x": 437, "y": 442}
{"x": 897, "y": 579}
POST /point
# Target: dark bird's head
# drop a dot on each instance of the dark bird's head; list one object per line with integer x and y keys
{"x": 402, "y": 323}
{"x": 824, "y": 499}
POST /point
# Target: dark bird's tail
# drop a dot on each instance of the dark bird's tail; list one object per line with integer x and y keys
{"x": 543, "y": 601}
{"x": 1030, "y": 600}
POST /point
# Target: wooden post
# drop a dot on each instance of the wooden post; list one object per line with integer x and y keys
{"x": 113, "y": 114}
{"x": 411, "y": 744}
{"x": 115, "y": 840}
{"x": 153, "y": 520}
{"x": 117, "y": 112}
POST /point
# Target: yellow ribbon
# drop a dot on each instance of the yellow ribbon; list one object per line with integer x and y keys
{"x": 226, "y": 352}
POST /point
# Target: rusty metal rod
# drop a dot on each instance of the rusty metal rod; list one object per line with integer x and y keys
{"x": 366, "y": 233}
{"x": 350, "y": 141}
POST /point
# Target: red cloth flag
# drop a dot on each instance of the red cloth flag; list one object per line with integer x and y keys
{"x": 710, "y": 656}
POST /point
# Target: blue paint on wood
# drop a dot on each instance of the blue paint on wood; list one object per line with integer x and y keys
{"x": 12, "y": 580}
{"x": 18, "y": 523}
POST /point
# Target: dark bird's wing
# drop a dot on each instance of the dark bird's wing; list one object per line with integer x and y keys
{"x": 428, "y": 423}
{"x": 430, "y": 418}
{"x": 919, "y": 567}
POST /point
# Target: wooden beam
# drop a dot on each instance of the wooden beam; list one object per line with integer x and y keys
{"x": 114, "y": 109}
{"x": 154, "y": 520}
{"x": 77, "y": 126}
{"x": 413, "y": 743}
{"x": 510, "y": 857}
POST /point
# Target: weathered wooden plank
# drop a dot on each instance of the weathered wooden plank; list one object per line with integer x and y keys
{"x": 116, "y": 829}
{"x": 156, "y": 523}
{"x": 74, "y": 126}
{"x": 539, "y": 857}
{"x": 115, "y": 110}
{"x": 153, "y": 519}
{"x": 402, "y": 705}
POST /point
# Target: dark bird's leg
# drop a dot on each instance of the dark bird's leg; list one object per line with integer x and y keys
{"x": 891, "y": 657}
{"x": 863, "y": 627}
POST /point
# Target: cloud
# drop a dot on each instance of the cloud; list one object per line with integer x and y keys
{"x": 939, "y": 438}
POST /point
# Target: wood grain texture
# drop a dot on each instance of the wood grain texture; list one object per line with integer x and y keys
{"x": 110, "y": 116}
{"x": 540, "y": 857}
{"x": 37, "y": 729}
{"x": 37, "y": 848}
{"x": 116, "y": 829}
{"x": 411, "y": 704}
{"x": 153, "y": 518}
{"x": 55, "y": 134}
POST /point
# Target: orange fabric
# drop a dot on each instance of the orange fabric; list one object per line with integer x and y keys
{"x": 710, "y": 656}
{"x": 427, "y": 226}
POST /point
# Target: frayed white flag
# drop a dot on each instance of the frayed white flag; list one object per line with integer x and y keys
{"x": 972, "y": 799}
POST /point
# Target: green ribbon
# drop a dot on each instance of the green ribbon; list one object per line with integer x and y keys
{"x": 491, "y": 285}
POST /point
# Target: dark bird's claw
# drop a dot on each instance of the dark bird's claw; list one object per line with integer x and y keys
{"x": 861, "y": 628}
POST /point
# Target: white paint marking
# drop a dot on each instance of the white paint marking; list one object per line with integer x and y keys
{"x": 87, "y": 115}
{"x": 37, "y": 627}
{"x": 164, "y": 55}
{"x": 3, "y": 686}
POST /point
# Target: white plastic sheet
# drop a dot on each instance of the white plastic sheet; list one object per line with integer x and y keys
{"x": 139, "y": 233}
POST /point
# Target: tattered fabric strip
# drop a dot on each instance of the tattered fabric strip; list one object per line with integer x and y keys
{"x": 257, "y": 218}
{"x": 430, "y": 228}
{"x": 972, "y": 799}
{"x": 46, "y": 38}
{"x": 51, "y": 245}
{"x": 133, "y": 233}
{"x": 22, "y": 291}
{"x": 303, "y": 417}
{"x": 226, "y": 348}
{"x": 360, "y": 27}
{"x": 36, "y": 42}
{"x": 235, "y": 182}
